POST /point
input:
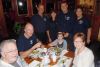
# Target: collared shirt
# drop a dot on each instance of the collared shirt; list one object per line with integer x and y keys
{"x": 40, "y": 23}
{"x": 4, "y": 64}
{"x": 24, "y": 44}
{"x": 84, "y": 59}
{"x": 65, "y": 22}
{"x": 81, "y": 25}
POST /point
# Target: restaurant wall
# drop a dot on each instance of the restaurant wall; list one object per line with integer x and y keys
{"x": 95, "y": 27}
{"x": 24, "y": 18}
{"x": 3, "y": 29}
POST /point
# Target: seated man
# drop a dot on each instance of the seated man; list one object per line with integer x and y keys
{"x": 60, "y": 42}
{"x": 27, "y": 41}
{"x": 9, "y": 54}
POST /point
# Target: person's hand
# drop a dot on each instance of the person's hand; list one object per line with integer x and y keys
{"x": 37, "y": 45}
{"x": 66, "y": 34}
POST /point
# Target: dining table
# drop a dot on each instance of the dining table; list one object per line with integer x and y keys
{"x": 69, "y": 54}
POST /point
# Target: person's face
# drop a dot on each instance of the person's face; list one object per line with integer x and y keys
{"x": 41, "y": 9}
{"x": 79, "y": 12}
{"x": 60, "y": 36}
{"x": 64, "y": 7}
{"x": 53, "y": 14}
{"x": 29, "y": 30}
{"x": 10, "y": 53}
{"x": 78, "y": 43}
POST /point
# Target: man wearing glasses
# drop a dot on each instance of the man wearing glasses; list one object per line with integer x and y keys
{"x": 9, "y": 54}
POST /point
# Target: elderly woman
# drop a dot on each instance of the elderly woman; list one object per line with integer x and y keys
{"x": 83, "y": 55}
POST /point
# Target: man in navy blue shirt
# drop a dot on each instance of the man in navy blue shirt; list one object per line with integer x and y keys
{"x": 65, "y": 23}
{"x": 27, "y": 41}
{"x": 40, "y": 23}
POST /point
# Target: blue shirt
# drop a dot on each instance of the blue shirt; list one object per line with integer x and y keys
{"x": 40, "y": 23}
{"x": 81, "y": 25}
{"x": 24, "y": 44}
{"x": 65, "y": 22}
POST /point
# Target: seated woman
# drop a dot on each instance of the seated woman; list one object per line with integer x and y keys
{"x": 83, "y": 55}
{"x": 59, "y": 42}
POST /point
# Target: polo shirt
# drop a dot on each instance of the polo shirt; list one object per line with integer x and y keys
{"x": 40, "y": 23}
{"x": 24, "y": 44}
{"x": 65, "y": 22}
{"x": 81, "y": 25}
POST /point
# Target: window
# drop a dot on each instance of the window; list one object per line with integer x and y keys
{"x": 22, "y": 7}
{"x": 34, "y": 5}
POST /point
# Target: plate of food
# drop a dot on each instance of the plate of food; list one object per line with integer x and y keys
{"x": 56, "y": 50}
{"x": 34, "y": 54}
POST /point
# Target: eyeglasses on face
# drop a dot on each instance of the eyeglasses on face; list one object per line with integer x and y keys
{"x": 11, "y": 51}
{"x": 78, "y": 41}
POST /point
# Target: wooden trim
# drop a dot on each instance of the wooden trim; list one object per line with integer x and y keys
{"x": 3, "y": 29}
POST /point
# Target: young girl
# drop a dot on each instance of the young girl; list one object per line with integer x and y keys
{"x": 60, "y": 42}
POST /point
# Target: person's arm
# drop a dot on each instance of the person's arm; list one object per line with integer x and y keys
{"x": 88, "y": 35}
{"x": 54, "y": 43}
{"x": 65, "y": 45}
{"x": 48, "y": 36}
{"x": 26, "y": 53}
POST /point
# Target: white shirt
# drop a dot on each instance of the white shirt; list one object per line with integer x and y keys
{"x": 4, "y": 64}
{"x": 84, "y": 59}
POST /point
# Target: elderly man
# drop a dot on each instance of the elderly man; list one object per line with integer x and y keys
{"x": 27, "y": 41}
{"x": 9, "y": 54}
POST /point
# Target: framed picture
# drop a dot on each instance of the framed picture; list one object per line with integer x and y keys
{"x": 88, "y": 5}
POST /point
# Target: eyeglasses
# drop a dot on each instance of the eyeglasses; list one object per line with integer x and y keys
{"x": 78, "y": 41}
{"x": 11, "y": 51}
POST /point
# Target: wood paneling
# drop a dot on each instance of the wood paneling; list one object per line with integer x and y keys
{"x": 95, "y": 27}
{"x": 3, "y": 29}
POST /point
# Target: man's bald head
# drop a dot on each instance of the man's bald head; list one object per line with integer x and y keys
{"x": 28, "y": 30}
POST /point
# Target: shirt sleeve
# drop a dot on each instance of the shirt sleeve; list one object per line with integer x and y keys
{"x": 55, "y": 42}
{"x": 88, "y": 23}
{"x": 20, "y": 45}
